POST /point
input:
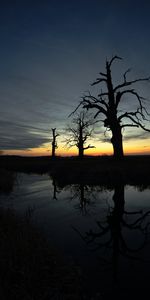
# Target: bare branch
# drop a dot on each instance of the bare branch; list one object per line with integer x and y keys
{"x": 103, "y": 74}
{"x": 130, "y": 91}
{"x": 96, "y": 100}
{"x": 88, "y": 147}
{"x": 98, "y": 80}
{"x": 113, "y": 58}
{"x": 127, "y": 83}
{"x": 135, "y": 114}
{"x": 138, "y": 123}
{"x": 75, "y": 109}
{"x": 87, "y": 104}
{"x": 129, "y": 125}
{"x": 124, "y": 75}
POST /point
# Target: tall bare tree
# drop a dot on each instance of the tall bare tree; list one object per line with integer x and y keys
{"x": 80, "y": 132}
{"x": 107, "y": 104}
{"x": 54, "y": 143}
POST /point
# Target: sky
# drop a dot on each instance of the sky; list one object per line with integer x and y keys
{"x": 50, "y": 53}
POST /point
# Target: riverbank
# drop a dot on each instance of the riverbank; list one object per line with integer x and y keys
{"x": 90, "y": 170}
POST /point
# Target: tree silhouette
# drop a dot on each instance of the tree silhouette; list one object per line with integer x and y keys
{"x": 107, "y": 104}
{"x": 54, "y": 143}
{"x": 80, "y": 132}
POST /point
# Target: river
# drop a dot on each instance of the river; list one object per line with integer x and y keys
{"x": 103, "y": 230}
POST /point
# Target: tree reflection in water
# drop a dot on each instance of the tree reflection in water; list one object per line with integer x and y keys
{"x": 56, "y": 190}
{"x": 85, "y": 196}
{"x": 119, "y": 239}
{"x": 111, "y": 235}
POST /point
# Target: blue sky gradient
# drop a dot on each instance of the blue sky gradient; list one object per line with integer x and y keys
{"x": 50, "y": 53}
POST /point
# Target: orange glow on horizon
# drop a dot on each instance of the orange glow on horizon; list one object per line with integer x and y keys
{"x": 102, "y": 149}
{"x": 136, "y": 147}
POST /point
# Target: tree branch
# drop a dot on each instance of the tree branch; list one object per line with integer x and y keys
{"x": 98, "y": 80}
{"x": 88, "y": 147}
{"x": 137, "y": 122}
{"x": 75, "y": 109}
{"x": 87, "y": 104}
{"x": 103, "y": 74}
{"x": 129, "y": 125}
{"x": 131, "y": 91}
{"x": 124, "y": 75}
{"x": 127, "y": 83}
{"x": 113, "y": 58}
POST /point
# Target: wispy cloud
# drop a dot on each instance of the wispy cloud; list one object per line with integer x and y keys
{"x": 143, "y": 135}
{"x": 21, "y": 137}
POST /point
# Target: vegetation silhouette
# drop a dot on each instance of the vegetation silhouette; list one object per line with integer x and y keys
{"x": 102, "y": 170}
{"x": 80, "y": 131}
{"x": 7, "y": 181}
{"x": 108, "y": 102}
{"x": 31, "y": 268}
{"x": 54, "y": 142}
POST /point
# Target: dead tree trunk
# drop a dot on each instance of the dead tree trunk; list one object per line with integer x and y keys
{"x": 81, "y": 152}
{"x": 81, "y": 142}
{"x": 117, "y": 141}
{"x": 54, "y": 143}
{"x": 112, "y": 120}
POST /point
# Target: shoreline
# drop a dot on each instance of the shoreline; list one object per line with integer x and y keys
{"x": 89, "y": 170}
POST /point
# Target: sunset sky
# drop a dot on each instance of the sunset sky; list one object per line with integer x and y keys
{"x": 50, "y": 53}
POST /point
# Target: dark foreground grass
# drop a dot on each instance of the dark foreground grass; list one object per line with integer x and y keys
{"x": 7, "y": 180}
{"x": 29, "y": 267}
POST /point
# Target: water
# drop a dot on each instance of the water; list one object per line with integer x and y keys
{"x": 106, "y": 232}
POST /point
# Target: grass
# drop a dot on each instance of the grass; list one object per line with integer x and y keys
{"x": 7, "y": 180}
{"x": 30, "y": 268}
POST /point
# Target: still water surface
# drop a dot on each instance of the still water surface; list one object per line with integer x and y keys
{"x": 106, "y": 232}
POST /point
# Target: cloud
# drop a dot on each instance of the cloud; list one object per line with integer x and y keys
{"x": 21, "y": 137}
{"x": 143, "y": 135}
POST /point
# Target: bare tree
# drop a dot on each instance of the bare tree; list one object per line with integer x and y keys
{"x": 80, "y": 132}
{"x": 54, "y": 143}
{"x": 107, "y": 104}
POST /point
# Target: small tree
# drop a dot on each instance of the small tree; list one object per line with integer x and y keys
{"x": 80, "y": 132}
{"x": 107, "y": 104}
{"x": 54, "y": 143}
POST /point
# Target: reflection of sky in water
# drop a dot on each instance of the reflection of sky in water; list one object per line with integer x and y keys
{"x": 60, "y": 218}
{"x": 136, "y": 198}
